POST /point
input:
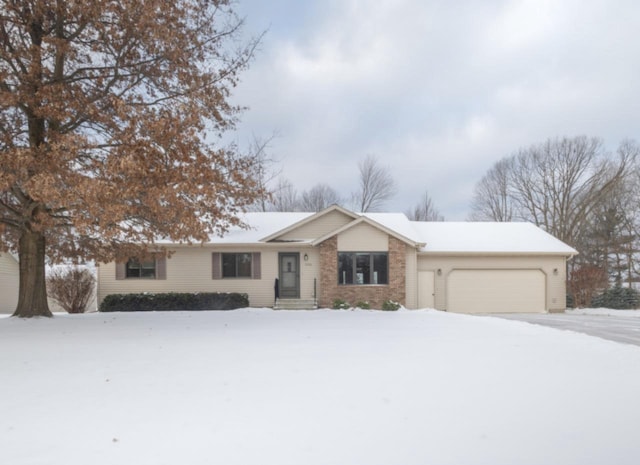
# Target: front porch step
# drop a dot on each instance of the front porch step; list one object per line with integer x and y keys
{"x": 295, "y": 304}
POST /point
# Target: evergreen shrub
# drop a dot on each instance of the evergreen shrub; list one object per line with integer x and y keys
{"x": 622, "y": 298}
{"x": 390, "y": 305}
{"x": 339, "y": 304}
{"x": 174, "y": 301}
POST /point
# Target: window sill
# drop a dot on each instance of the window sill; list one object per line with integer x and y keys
{"x": 363, "y": 285}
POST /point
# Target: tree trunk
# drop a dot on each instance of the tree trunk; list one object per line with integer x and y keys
{"x": 32, "y": 298}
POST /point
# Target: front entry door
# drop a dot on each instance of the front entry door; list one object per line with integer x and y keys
{"x": 289, "y": 275}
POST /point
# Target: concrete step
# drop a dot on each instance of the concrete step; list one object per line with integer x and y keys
{"x": 295, "y": 304}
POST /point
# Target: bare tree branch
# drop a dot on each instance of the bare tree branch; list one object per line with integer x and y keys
{"x": 376, "y": 186}
{"x": 425, "y": 210}
{"x": 318, "y": 198}
{"x": 284, "y": 197}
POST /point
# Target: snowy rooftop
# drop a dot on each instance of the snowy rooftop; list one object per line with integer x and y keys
{"x": 488, "y": 237}
{"x": 454, "y": 237}
{"x": 397, "y": 222}
{"x": 260, "y": 225}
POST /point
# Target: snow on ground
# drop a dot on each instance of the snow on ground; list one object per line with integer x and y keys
{"x": 257, "y": 386}
{"x": 603, "y": 312}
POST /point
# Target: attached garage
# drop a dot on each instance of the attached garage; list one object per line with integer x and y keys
{"x": 496, "y": 291}
{"x": 491, "y": 268}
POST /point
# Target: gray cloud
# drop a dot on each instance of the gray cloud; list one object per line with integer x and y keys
{"x": 438, "y": 90}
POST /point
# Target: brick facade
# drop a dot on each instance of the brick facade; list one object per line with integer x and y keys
{"x": 374, "y": 294}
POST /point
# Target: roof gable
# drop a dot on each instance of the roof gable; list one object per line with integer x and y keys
{"x": 313, "y": 226}
{"x": 370, "y": 222}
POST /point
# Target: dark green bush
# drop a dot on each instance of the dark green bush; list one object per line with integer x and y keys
{"x": 364, "y": 305}
{"x": 174, "y": 301}
{"x": 339, "y": 304}
{"x": 390, "y": 305}
{"x": 622, "y": 298}
{"x": 569, "y": 301}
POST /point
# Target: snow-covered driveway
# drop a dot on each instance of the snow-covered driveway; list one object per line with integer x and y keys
{"x": 620, "y": 326}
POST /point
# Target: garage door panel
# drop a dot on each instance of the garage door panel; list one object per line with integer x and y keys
{"x": 496, "y": 291}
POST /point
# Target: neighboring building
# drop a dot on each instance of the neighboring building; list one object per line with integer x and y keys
{"x": 9, "y": 282}
{"x": 337, "y": 254}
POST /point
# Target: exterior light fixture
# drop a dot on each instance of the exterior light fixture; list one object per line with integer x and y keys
{"x": 306, "y": 257}
{"x": 555, "y": 271}
{"x": 439, "y": 271}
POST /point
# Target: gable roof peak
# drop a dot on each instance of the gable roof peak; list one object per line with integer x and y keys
{"x": 309, "y": 219}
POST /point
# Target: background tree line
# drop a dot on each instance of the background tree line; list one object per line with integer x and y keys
{"x": 374, "y": 188}
{"x": 584, "y": 195}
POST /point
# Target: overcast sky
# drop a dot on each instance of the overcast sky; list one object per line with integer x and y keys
{"x": 437, "y": 90}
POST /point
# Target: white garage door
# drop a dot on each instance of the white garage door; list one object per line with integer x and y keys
{"x": 496, "y": 291}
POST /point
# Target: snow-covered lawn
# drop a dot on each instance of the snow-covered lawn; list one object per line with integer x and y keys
{"x": 328, "y": 387}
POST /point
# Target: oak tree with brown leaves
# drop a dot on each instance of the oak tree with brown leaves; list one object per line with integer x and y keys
{"x": 109, "y": 116}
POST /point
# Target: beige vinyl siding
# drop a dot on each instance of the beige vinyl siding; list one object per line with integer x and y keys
{"x": 411, "y": 283}
{"x": 9, "y": 282}
{"x": 318, "y": 227}
{"x": 553, "y": 268}
{"x": 309, "y": 270}
{"x": 190, "y": 270}
{"x": 426, "y": 289}
{"x": 363, "y": 238}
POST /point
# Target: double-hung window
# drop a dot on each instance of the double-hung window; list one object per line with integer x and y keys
{"x": 363, "y": 268}
{"x": 141, "y": 269}
{"x": 236, "y": 265}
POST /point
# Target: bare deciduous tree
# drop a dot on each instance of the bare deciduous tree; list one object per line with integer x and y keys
{"x": 556, "y": 184}
{"x": 318, "y": 198}
{"x": 263, "y": 171}
{"x": 425, "y": 210}
{"x": 107, "y": 112}
{"x": 492, "y": 200}
{"x": 575, "y": 190}
{"x": 284, "y": 197}
{"x": 376, "y": 186}
{"x": 71, "y": 287}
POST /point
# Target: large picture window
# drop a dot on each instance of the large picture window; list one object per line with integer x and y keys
{"x": 141, "y": 269}
{"x": 363, "y": 268}
{"x": 236, "y": 265}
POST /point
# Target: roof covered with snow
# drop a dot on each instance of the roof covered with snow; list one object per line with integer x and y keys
{"x": 397, "y": 222}
{"x": 488, "y": 237}
{"x": 437, "y": 237}
{"x": 261, "y": 224}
